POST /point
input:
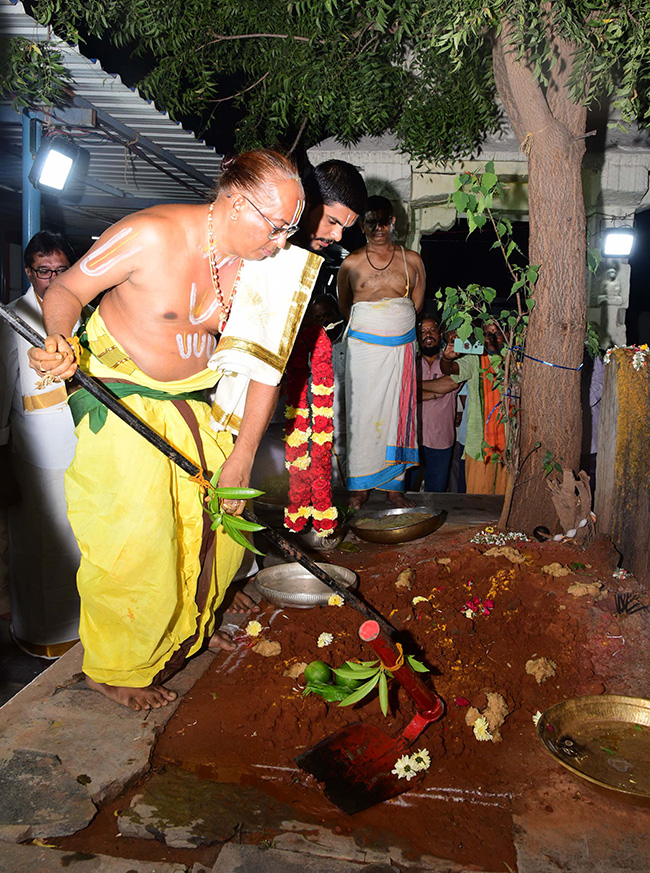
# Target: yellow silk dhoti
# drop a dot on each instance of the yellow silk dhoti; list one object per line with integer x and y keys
{"x": 139, "y": 522}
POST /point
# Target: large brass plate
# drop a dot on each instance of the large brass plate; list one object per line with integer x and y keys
{"x": 604, "y": 739}
{"x": 399, "y": 525}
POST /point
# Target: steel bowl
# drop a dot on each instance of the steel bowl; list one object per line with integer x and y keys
{"x": 604, "y": 739}
{"x": 403, "y": 532}
{"x": 293, "y": 585}
{"x": 309, "y": 539}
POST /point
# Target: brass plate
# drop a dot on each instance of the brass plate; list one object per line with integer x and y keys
{"x": 604, "y": 739}
{"x": 398, "y": 533}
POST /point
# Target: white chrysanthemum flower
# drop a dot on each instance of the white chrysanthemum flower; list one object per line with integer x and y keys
{"x": 404, "y": 768}
{"x": 481, "y": 729}
{"x": 537, "y": 717}
{"x": 421, "y": 760}
{"x": 335, "y": 600}
{"x": 325, "y": 640}
{"x": 253, "y": 628}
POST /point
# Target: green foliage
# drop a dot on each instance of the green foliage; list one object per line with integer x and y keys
{"x": 592, "y": 341}
{"x": 349, "y": 68}
{"x": 550, "y": 464}
{"x": 469, "y": 311}
{"x": 31, "y": 73}
{"x": 375, "y": 675}
{"x": 233, "y": 525}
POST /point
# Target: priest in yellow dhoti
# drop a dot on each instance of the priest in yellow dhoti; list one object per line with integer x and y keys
{"x": 152, "y": 572}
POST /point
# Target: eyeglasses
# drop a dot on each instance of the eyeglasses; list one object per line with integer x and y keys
{"x": 275, "y": 232}
{"x": 45, "y": 273}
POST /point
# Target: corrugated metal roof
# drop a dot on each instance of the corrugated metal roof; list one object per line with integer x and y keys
{"x": 137, "y": 153}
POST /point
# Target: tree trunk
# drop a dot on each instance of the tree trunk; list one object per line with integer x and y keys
{"x": 550, "y": 126}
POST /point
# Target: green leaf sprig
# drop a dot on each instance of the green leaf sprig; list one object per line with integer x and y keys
{"x": 233, "y": 525}
{"x": 375, "y": 674}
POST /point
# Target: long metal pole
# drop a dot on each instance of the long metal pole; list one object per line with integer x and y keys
{"x": 95, "y": 387}
{"x": 31, "y": 195}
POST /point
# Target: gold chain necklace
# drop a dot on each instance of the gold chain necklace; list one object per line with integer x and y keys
{"x": 381, "y": 269}
{"x": 214, "y": 272}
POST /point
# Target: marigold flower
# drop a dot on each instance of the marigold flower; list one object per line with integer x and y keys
{"x": 335, "y": 600}
{"x": 404, "y": 768}
{"x": 325, "y": 640}
{"x": 321, "y": 389}
{"x": 253, "y": 628}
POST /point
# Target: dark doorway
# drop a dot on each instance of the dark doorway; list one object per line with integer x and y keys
{"x": 637, "y": 320}
{"x": 452, "y": 258}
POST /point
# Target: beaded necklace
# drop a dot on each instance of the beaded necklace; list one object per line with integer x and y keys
{"x": 214, "y": 272}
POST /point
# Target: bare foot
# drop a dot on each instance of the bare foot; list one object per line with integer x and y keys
{"x": 398, "y": 500}
{"x": 220, "y": 641}
{"x": 243, "y": 603}
{"x": 151, "y": 697}
{"x": 358, "y": 499}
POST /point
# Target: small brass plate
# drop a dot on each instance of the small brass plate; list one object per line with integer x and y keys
{"x": 397, "y": 525}
{"x": 604, "y": 739}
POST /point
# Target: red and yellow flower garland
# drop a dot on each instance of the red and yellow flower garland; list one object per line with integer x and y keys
{"x": 310, "y": 472}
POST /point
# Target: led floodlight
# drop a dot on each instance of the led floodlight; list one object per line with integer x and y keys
{"x": 618, "y": 242}
{"x": 57, "y": 164}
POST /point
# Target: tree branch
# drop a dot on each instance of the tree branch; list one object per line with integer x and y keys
{"x": 244, "y": 90}
{"x": 572, "y": 115}
{"x": 223, "y": 38}
{"x": 300, "y": 133}
{"x": 521, "y": 94}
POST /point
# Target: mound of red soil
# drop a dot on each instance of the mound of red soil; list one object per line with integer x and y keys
{"x": 246, "y": 719}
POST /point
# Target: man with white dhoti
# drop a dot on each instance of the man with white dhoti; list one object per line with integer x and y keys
{"x": 381, "y": 289}
{"x": 37, "y": 426}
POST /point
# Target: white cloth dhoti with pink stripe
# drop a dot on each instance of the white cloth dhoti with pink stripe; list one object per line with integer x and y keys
{"x": 380, "y": 394}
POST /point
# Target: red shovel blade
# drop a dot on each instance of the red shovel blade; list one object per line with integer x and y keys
{"x": 355, "y": 765}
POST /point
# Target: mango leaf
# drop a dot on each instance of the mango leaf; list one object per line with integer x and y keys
{"x": 383, "y": 693}
{"x": 361, "y": 673}
{"x": 216, "y": 523}
{"x": 242, "y": 524}
{"x": 358, "y": 666}
{"x": 215, "y": 477}
{"x": 360, "y": 693}
{"x": 228, "y": 493}
{"x": 416, "y": 665}
{"x": 238, "y": 536}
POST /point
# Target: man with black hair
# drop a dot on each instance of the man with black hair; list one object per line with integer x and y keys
{"x": 336, "y": 195}
{"x": 381, "y": 288}
{"x": 37, "y": 442}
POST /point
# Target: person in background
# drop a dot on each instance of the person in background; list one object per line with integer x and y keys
{"x": 457, "y": 482}
{"x": 381, "y": 290}
{"x": 436, "y": 415}
{"x": 483, "y": 421}
{"x": 38, "y": 444}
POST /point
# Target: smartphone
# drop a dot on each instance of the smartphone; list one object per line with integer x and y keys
{"x": 467, "y": 347}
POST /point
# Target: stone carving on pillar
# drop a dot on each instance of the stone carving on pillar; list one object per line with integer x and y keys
{"x": 610, "y": 294}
